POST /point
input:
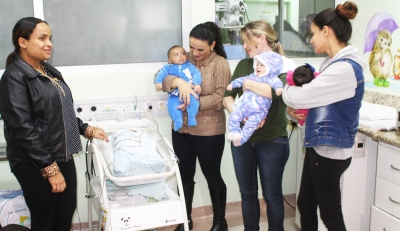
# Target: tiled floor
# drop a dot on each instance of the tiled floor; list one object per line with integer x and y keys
{"x": 202, "y": 218}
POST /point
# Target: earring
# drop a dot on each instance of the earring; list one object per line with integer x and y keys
{"x": 212, "y": 49}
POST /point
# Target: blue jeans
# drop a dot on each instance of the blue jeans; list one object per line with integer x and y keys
{"x": 270, "y": 158}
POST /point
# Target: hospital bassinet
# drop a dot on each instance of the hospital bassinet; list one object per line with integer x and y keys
{"x": 111, "y": 194}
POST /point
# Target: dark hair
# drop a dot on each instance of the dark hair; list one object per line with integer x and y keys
{"x": 209, "y": 32}
{"x": 170, "y": 49}
{"x": 23, "y": 29}
{"x": 302, "y": 74}
{"x": 338, "y": 20}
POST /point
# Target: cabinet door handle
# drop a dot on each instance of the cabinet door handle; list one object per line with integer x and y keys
{"x": 390, "y": 198}
{"x": 397, "y": 169}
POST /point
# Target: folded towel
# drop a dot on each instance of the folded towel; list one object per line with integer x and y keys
{"x": 370, "y": 111}
{"x": 379, "y": 124}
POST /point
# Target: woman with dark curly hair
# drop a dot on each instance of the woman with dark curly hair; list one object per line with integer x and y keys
{"x": 206, "y": 140}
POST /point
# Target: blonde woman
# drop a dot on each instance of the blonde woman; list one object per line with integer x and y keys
{"x": 268, "y": 148}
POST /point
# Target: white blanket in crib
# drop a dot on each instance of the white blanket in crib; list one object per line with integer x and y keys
{"x": 134, "y": 153}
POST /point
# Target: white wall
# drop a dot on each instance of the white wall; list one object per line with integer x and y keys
{"x": 128, "y": 80}
{"x": 366, "y": 10}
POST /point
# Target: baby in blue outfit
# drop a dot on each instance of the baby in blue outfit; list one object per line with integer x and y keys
{"x": 179, "y": 66}
{"x": 250, "y": 106}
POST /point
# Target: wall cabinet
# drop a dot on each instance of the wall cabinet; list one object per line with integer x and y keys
{"x": 385, "y": 214}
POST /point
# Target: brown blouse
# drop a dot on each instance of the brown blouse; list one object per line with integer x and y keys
{"x": 215, "y": 77}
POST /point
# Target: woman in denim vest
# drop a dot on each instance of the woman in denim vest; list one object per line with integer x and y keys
{"x": 334, "y": 99}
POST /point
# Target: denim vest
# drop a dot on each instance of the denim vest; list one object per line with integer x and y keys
{"x": 336, "y": 124}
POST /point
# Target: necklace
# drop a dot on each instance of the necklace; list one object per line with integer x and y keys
{"x": 55, "y": 81}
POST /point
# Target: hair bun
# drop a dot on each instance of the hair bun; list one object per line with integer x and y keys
{"x": 347, "y": 10}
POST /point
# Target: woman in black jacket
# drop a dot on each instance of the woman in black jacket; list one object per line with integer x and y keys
{"x": 40, "y": 127}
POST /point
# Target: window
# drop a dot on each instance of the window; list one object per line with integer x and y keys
{"x": 112, "y": 32}
{"x": 294, "y": 16}
{"x": 10, "y": 12}
{"x": 102, "y": 32}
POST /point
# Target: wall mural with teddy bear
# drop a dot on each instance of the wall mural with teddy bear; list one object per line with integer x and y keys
{"x": 385, "y": 68}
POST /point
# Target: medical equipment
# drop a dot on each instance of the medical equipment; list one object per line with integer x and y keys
{"x": 233, "y": 12}
{"x": 130, "y": 202}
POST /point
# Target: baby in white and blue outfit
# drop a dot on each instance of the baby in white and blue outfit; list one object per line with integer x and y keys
{"x": 179, "y": 66}
{"x": 251, "y": 106}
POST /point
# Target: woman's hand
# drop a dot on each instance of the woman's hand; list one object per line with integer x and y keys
{"x": 247, "y": 84}
{"x": 293, "y": 113}
{"x": 259, "y": 125}
{"x": 57, "y": 183}
{"x": 261, "y": 89}
{"x": 100, "y": 134}
{"x": 185, "y": 90}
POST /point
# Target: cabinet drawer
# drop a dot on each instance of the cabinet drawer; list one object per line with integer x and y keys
{"x": 388, "y": 166}
{"x": 387, "y": 196}
{"x": 382, "y": 221}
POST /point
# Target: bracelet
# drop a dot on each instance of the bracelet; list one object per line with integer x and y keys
{"x": 90, "y": 132}
{"x": 50, "y": 170}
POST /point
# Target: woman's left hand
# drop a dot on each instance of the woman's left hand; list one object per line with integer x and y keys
{"x": 259, "y": 125}
{"x": 247, "y": 85}
{"x": 100, "y": 134}
{"x": 185, "y": 90}
{"x": 293, "y": 113}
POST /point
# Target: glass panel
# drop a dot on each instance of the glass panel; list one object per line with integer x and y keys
{"x": 297, "y": 18}
{"x": 10, "y": 12}
{"x": 110, "y": 32}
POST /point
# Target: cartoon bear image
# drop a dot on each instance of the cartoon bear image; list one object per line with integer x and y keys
{"x": 380, "y": 60}
{"x": 126, "y": 220}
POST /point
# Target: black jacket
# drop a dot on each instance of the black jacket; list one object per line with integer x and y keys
{"x": 32, "y": 112}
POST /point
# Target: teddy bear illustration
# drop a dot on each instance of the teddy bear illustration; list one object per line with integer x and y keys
{"x": 380, "y": 59}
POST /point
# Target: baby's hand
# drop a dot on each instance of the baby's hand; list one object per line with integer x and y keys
{"x": 229, "y": 87}
{"x": 158, "y": 86}
{"x": 197, "y": 89}
{"x": 279, "y": 91}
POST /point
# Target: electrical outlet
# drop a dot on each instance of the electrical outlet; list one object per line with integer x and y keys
{"x": 359, "y": 148}
{"x": 161, "y": 105}
{"x": 148, "y": 106}
{"x": 156, "y": 105}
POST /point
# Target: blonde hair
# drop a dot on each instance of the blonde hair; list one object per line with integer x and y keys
{"x": 258, "y": 28}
